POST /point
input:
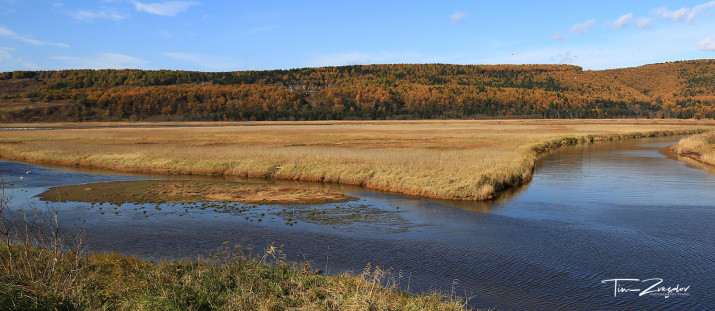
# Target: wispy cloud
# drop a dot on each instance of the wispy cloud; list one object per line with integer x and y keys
{"x": 10, "y": 62}
{"x": 621, "y": 22}
{"x": 166, "y": 8}
{"x": 698, "y": 9}
{"x": 362, "y": 58}
{"x": 684, "y": 14}
{"x": 103, "y": 61}
{"x": 583, "y": 28}
{"x": 5, "y": 32}
{"x": 557, "y": 37}
{"x": 215, "y": 63}
{"x": 103, "y": 14}
{"x": 643, "y": 22}
{"x": 164, "y": 34}
{"x": 458, "y": 17}
{"x": 708, "y": 44}
{"x": 674, "y": 16}
{"x": 4, "y": 55}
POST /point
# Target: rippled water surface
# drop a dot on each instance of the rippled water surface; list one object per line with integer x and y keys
{"x": 595, "y": 212}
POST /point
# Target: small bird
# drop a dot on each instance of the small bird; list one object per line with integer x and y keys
{"x": 28, "y": 172}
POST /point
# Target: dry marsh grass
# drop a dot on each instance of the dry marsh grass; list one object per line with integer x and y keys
{"x": 230, "y": 280}
{"x": 699, "y": 147}
{"x": 463, "y": 160}
{"x": 191, "y": 191}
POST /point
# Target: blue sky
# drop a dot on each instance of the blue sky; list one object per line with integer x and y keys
{"x": 254, "y": 35}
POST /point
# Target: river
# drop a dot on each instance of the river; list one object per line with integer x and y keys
{"x": 592, "y": 213}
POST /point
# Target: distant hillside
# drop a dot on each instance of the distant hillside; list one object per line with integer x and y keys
{"x": 679, "y": 89}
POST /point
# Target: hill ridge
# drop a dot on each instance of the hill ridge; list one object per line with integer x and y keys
{"x": 681, "y": 89}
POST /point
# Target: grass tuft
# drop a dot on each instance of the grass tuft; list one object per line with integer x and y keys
{"x": 699, "y": 147}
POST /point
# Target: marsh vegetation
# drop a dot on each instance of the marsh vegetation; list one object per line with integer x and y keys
{"x": 699, "y": 147}
{"x": 192, "y": 191}
{"x": 459, "y": 160}
{"x": 42, "y": 270}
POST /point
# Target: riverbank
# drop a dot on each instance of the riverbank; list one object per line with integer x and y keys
{"x": 42, "y": 279}
{"x": 698, "y": 147}
{"x": 566, "y": 213}
{"x": 456, "y": 159}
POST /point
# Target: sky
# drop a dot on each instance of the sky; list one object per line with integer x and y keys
{"x": 226, "y": 35}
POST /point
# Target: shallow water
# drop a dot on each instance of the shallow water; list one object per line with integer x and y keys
{"x": 592, "y": 212}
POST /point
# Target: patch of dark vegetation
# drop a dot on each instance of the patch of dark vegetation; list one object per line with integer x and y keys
{"x": 191, "y": 191}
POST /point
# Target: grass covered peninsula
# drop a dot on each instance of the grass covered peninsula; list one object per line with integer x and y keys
{"x": 459, "y": 160}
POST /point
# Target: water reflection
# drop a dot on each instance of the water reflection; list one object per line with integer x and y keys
{"x": 592, "y": 212}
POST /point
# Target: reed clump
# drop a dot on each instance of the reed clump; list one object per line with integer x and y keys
{"x": 699, "y": 147}
{"x": 445, "y": 159}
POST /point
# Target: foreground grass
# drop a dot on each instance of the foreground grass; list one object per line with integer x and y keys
{"x": 699, "y": 147}
{"x": 229, "y": 280}
{"x": 462, "y": 160}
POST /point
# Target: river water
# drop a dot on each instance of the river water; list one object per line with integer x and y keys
{"x": 603, "y": 211}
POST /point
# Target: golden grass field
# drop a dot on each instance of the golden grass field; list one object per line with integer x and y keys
{"x": 456, "y": 159}
{"x": 699, "y": 147}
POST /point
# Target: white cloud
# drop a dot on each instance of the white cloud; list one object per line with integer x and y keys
{"x": 5, "y": 32}
{"x": 708, "y": 44}
{"x": 621, "y": 21}
{"x": 166, "y": 8}
{"x": 207, "y": 62}
{"x": 104, "y": 61}
{"x": 557, "y": 37}
{"x": 4, "y": 55}
{"x": 164, "y": 34}
{"x": 643, "y": 22}
{"x": 583, "y": 28}
{"x": 674, "y": 16}
{"x": 104, "y": 14}
{"x": 698, "y": 9}
{"x": 458, "y": 17}
{"x": 686, "y": 14}
{"x": 10, "y": 62}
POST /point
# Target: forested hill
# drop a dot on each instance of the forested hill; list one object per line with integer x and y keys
{"x": 683, "y": 89}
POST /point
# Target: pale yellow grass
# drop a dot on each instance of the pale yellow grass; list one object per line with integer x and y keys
{"x": 465, "y": 160}
{"x": 700, "y": 147}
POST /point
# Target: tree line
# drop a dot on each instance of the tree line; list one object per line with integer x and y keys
{"x": 399, "y": 91}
